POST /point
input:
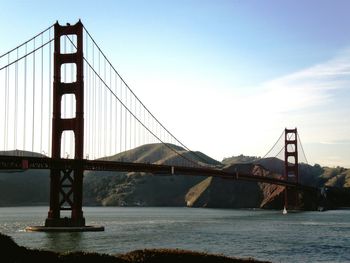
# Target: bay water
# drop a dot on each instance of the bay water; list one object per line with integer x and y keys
{"x": 262, "y": 234}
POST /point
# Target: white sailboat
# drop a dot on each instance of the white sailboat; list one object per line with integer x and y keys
{"x": 284, "y": 211}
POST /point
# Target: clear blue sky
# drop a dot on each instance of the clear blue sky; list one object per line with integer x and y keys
{"x": 226, "y": 77}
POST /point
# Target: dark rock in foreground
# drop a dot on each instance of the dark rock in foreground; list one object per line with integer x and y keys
{"x": 177, "y": 255}
{"x": 11, "y": 252}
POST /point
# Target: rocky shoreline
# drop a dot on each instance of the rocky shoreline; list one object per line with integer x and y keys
{"x": 11, "y": 252}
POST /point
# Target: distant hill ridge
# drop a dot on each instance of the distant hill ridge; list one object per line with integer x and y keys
{"x": 21, "y": 153}
{"x": 161, "y": 154}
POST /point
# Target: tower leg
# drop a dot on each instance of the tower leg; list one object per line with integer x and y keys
{"x": 66, "y": 194}
{"x": 54, "y": 211}
{"x": 77, "y": 210}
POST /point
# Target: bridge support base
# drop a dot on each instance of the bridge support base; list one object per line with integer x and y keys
{"x": 64, "y": 222}
{"x": 64, "y": 229}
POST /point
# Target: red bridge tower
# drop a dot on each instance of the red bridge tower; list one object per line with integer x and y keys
{"x": 66, "y": 183}
{"x": 291, "y": 167}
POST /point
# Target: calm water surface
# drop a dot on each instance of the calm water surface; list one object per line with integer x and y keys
{"x": 265, "y": 235}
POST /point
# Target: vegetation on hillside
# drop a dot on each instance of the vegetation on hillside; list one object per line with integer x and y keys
{"x": 240, "y": 159}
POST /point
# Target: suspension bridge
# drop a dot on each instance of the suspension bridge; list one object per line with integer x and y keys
{"x": 68, "y": 110}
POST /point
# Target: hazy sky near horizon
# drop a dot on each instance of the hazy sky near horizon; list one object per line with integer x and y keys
{"x": 225, "y": 77}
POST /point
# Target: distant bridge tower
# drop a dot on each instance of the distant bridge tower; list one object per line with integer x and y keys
{"x": 66, "y": 183}
{"x": 291, "y": 166}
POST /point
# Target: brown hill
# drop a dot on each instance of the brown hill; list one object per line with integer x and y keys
{"x": 159, "y": 153}
{"x": 142, "y": 189}
{"x": 336, "y": 177}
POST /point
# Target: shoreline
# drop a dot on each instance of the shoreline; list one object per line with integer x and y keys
{"x": 12, "y": 252}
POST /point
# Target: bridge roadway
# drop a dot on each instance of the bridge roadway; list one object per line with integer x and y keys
{"x": 21, "y": 163}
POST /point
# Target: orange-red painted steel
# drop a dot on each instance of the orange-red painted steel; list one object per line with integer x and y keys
{"x": 291, "y": 166}
{"x": 66, "y": 184}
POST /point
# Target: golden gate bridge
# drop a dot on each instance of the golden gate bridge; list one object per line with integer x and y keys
{"x": 67, "y": 109}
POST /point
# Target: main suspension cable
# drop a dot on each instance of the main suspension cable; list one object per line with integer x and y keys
{"x": 27, "y": 54}
{"x": 274, "y": 145}
{"x": 26, "y": 42}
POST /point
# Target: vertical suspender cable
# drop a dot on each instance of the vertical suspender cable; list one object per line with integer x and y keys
{"x": 161, "y": 134}
{"x": 99, "y": 104}
{"x": 5, "y": 106}
{"x": 7, "y": 103}
{"x": 110, "y": 113}
{"x": 50, "y": 94}
{"x": 153, "y": 129}
{"x": 140, "y": 128}
{"x": 90, "y": 116}
{"x": 143, "y": 129}
{"x": 87, "y": 104}
{"x": 25, "y": 99}
{"x": 149, "y": 125}
{"x": 93, "y": 83}
{"x": 94, "y": 150}
{"x": 136, "y": 138}
{"x": 130, "y": 120}
{"x": 105, "y": 110}
{"x": 126, "y": 118}
{"x": 122, "y": 128}
{"x": 156, "y": 128}
{"x": 121, "y": 115}
{"x": 96, "y": 122}
{"x": 41, "y": 95}
{"x": 91, "y": 108}
{"x": 16, "y": 103}
{"x": 33, "y": 120}
{"x": 131, "y": 123}
{"x": 115, "y": 134}
{"x": 135, "y": 133}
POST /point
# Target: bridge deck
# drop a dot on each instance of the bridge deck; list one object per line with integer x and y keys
{"x": 23, "y": 163}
